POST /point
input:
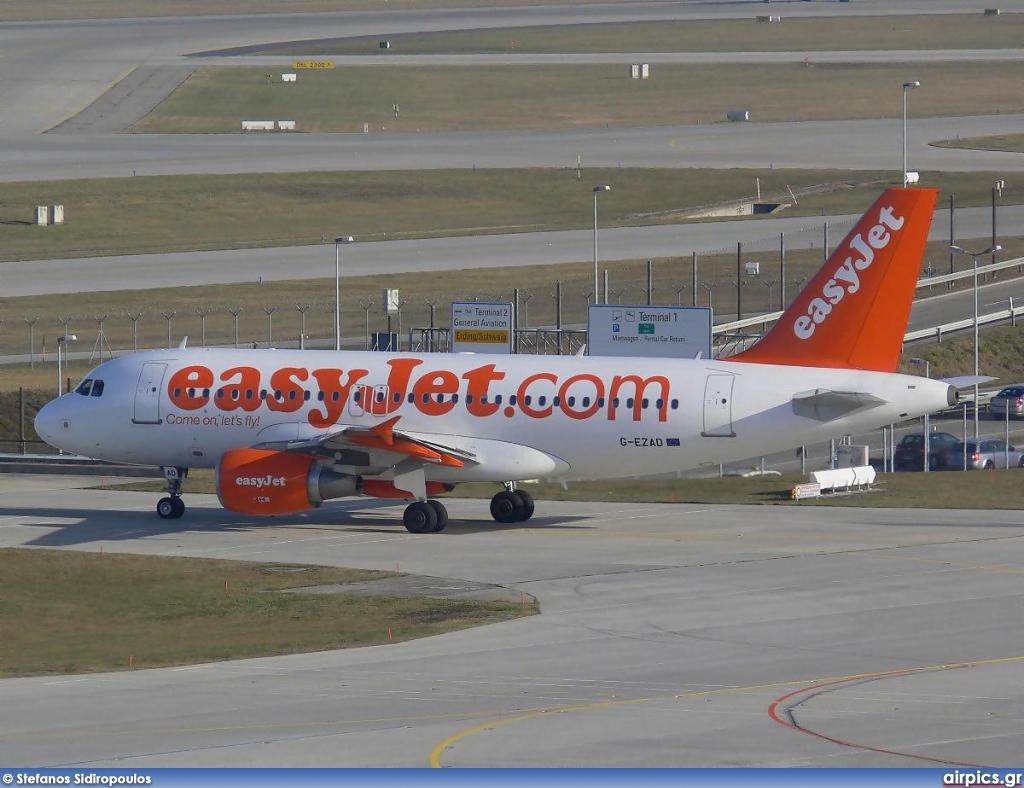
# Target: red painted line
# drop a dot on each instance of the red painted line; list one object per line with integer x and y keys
{"x": 773, "y": 712}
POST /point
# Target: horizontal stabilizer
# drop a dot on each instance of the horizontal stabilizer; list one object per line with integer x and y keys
{"x": 825, "y": 405}
{"x": 963, "y": 381}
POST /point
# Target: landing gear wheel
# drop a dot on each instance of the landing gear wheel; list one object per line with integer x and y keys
{"x": 168, "y": 508}
{"x": 442, "y": 516}
{"x": 528, "y": 507}
{"x": 420, "y": 517}
{"x": 507, "y": 507}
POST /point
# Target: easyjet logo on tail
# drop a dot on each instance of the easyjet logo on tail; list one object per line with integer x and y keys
{"x": 845, "y": 279}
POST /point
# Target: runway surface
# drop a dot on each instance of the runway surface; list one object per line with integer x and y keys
{"x": 671, "y": 635}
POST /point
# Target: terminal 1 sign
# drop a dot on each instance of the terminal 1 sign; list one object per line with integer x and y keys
{"x": 650, "y": 331}
{"x": 481, "y": 327}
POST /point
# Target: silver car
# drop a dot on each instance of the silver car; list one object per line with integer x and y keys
{"x": 986, "y": 454}
{"x": 1010, "y": 399}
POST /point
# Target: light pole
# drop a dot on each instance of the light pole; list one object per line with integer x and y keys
{"x": 61, "y": 342}
{"x": 341, "y": 239}
{"x": 976, "y": 255}
{"x": 906, "y": 86}
{"x": 597, "y": 191}
{"x": 927, "y": 425}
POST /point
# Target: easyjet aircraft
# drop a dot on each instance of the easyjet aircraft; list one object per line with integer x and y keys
{"x": 286, "y": 429}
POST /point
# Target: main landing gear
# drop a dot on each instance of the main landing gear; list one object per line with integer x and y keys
{"x": 512, "y": 506}
{"x": 425, "y": 517}
{"x": 508, "y": 506}
{"x": 172, "y": 507}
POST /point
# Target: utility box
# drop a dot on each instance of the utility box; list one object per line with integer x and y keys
{"x": 753, "y": 268}
{"x": 851, "y": 456}
{"x": 288, "y": 77}
{"x": 56, "y": 214}
{"x": 737, "y": 115}
{"x": 386, "y": 341}
{"x": 42, "y": 215}
{"x": 385, "y": 45}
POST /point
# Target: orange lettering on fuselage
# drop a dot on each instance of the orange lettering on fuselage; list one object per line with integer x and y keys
{"x": 190, "y": 379}
{"x": 287, "y": 393}
{"x": 434, "y": 392}
{"x": 243, "y": 393}
{"x": 335, "y": 394}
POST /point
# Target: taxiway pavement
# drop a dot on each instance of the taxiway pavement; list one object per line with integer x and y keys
{"x": 671, "y": 635}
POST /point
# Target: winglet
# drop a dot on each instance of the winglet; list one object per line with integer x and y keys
{"x": 853, "y": 314}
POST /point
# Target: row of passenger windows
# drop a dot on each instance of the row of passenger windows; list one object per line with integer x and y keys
{"x": 90, "y": 388}
{"x": 379, "y": 396}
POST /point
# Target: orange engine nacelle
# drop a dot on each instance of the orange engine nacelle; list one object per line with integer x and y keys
{"x": 376, "y": 488}
{"x": 264, "y": 482}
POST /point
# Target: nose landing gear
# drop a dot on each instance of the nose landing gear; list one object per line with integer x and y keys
{"x": 172, "y": 507}
{"x": 512, "y": 506}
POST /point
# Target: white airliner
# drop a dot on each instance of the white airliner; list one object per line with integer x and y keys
{"x": 288, "y": 429}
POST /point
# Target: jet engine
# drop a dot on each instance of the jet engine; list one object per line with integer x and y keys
{"x": 265, "y": 482}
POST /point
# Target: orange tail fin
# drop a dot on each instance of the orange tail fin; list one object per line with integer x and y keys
{"x": 853, "y": 314}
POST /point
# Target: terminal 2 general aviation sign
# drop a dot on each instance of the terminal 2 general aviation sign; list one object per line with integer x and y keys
{"x": 481, "y": 327}
{"x": 649, "y": 331}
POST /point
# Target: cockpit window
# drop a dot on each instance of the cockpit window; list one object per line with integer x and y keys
{"x": 90, "y": 388}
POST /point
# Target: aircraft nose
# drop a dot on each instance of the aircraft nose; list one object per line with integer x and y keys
{"x": 49, "y": 421}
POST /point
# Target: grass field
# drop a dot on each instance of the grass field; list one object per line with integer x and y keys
{"x": 487, "y": 98}
{"x": 156, "y": 611}
{"x": 134, "y": 215}
{"x": 795, "y": 34}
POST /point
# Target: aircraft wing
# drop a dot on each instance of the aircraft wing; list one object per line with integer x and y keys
{"x": 380, "y": 446}
{"x": 826, "y": 405}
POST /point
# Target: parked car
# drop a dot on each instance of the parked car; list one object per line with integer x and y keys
{"x": 1010, "y": 399}
{"x": 986, "y": 454}
{"x": 909, "y": 452}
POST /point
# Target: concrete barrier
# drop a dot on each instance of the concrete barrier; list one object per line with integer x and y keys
{"x": 844, "y": 478}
